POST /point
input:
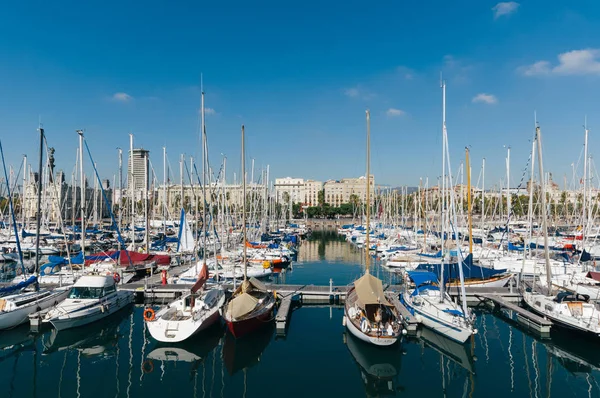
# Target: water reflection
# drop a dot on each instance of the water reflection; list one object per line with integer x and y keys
{"x": 379, "y": 366}
{"x": 453, "y": 351}
{"x": 93, "y": 340}
{"x": 243, "y": 353}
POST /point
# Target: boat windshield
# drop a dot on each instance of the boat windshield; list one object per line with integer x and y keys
{"x": 83, "y": 292}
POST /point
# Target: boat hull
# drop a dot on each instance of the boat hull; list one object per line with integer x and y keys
{"x": 246, "y": 326}
{"x": 19, "y": 316}
{"x": 442, "y": 326}
{"x": 175, "y": 331}
{"x": 92, "y": 314}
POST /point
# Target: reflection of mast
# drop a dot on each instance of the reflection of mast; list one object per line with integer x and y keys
{"x": 78, "y": 373}
{"x": 130, "y": 354}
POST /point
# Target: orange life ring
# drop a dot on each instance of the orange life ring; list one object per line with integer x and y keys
{"x": 117, "y": 277}
{"x": 148, "y": 366}
{"x": 149, "y": 315}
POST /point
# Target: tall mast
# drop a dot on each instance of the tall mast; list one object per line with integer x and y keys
{"x": 25, "y": 174}
{"x": 469, "y": 204}
{"x": 39, "y": 202}
{"x": 508, "y": 204}
{"x": 530, "y": 207}
{"x": 82, "y": 193}
{"x": 544, "y": 215}
{"x": 244, "y": 203}
{"x": 164, "y": 209}
{"x": 585, "y": 178}
{"x": 368, "y": 201}
{"x": 132, "y": 191}
{"x": 443, "y": 192}
{"x": 483, "y": 197}
{"x": 204, "y": 167}
{"x": 120, "y": 190}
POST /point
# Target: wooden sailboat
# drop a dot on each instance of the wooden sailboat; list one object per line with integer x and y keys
{"x": 573, "y": 311}
{"x": 368, "y": 312}
{"x": 251, "y": 305}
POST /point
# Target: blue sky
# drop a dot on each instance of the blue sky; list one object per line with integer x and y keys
{"x": 300, "y": 76}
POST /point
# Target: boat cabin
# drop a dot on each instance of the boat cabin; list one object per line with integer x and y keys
{"x": 93, "y": 287}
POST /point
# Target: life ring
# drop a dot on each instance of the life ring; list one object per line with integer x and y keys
{"x": 149, "y": 315}
{"x": 116, "y": 277}
{"x": 148, "y": 366}
{"x": 364, "y": 325}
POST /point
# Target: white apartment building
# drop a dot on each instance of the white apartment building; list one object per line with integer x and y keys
{"x": 299, "y": 190}
{"x": 340, "y": 191}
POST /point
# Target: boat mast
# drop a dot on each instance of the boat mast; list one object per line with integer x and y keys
{"x": 39, "y": 202}
{"x": 243, "y": 205}
{"x": 120, "y": 190}
{"x": 25, "y": 174}
{"x": 538, "y": 134}
{"x": 146, "y": 229}
{"x": 585, "y": 173}
{"x": 530, "y": 209}
{"x": 82, "y": 193}
{"x": 132, "y": 193}
{"x": 368, "y": 201}
{"x": 443, "y": 192}
{"x": 483, "y": 200}
{"x": 204, "y": 162}
{"x": 164, "y": 209}
{"x": 469, "y": 204}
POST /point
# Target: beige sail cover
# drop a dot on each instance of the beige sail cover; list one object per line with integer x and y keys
{"x": 241, "y": 305}
{"x": 258, "y": 285}
{"x": 369, "y": 290}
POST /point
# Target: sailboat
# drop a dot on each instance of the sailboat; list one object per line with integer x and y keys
{"x": 188, "y": 315}
{"x": 566, "y": 309}
{"x": 15, "y": 303}
{"x": 368, "y": 312}
{"x": 428, "y": 300}
{"x": 251, "y": 305}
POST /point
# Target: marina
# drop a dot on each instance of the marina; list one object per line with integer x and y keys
{"x": 214, "y": 364}
{"x": 299, "y": 200}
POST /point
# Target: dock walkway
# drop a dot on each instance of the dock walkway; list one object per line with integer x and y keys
{"x": 531, "y": 320}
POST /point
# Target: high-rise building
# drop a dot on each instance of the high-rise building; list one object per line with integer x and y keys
{"x": 138, "y": 175}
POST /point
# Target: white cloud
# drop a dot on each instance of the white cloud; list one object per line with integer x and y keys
{"x": 209, "y": 111}
{"x": 405, "y": 72}
{"x": 505, "y": 8}
{"x": 485, "y": 98}
{"x": 352, "y": 92}
{"x": 122, "y": 97}
{"x": 393, "y": 112}
{"x": 359, "y": 92}
{"x": 575, "y": 62}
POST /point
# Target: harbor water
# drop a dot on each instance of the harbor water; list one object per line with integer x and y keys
{"x": 316, "y": 358}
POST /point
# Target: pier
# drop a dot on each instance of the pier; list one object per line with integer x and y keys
{"x": 532, "y": 321}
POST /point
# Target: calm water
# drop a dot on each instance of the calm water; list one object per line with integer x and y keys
{"x": 117, "y": 358}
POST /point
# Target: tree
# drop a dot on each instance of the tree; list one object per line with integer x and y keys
{"x": 321, "y": 197}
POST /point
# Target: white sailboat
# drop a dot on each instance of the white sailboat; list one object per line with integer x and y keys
{"x": 368, "y": 313}
{"x": 429, "y": 301}
{"x": 188, "y": 315}
{"x": 573, "y": 311}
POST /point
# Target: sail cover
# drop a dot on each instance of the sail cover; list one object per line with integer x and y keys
{"x": 370, "y": 290}
{"x": 242, "y": 305}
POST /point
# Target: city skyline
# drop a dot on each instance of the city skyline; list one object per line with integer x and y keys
{"x": 302, "y": 93}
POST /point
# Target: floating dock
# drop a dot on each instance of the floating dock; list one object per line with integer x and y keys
{"x": 532, "y": 321}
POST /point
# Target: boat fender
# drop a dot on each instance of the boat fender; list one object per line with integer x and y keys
{"x": 364, "y": 325}
{"x": 148, "y": 366}
{"x": 351, "y": 312}
{"x": 343, "y": 321}
{"x": 149, "y": 315}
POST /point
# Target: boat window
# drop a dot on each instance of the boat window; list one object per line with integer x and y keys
{"x": 549, "y": 307}
{"x": 84, "y": 292}
{"x": 110, "y": 289}
{"x": 538, "y": 303}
